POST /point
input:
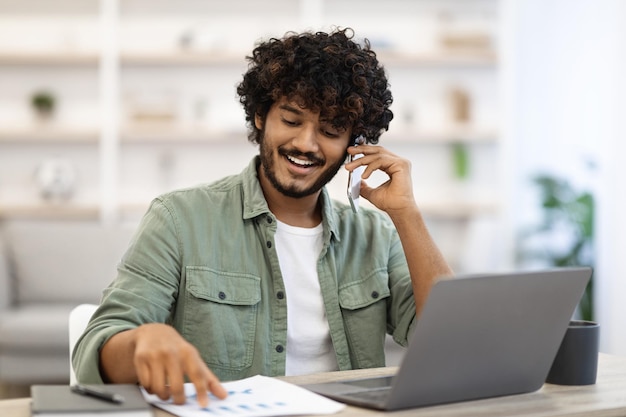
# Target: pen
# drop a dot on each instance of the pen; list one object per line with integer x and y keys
{"x": 98, "y": 393}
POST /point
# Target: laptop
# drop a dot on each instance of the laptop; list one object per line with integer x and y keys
{"x": 479, "y": 336}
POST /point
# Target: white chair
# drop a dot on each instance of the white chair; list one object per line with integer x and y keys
{"x": 78, "y": 320}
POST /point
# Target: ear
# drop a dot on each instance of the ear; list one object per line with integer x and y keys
{"x": 258, "y": 122}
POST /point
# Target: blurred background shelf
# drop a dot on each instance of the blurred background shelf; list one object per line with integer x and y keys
{"x": 48, "y": 58}
{"x": 48, "y": 135}
{"x": 155, "y": 134}
{"x": 182, "y": 58}
{"x": 210, "y": 58}
{"x": 444, "y": 59}
{"x": 444, "y": 136}
{"x": 49, "y": 211}
{"x": 143, "y": 98}
{"x": 219, "y": 58}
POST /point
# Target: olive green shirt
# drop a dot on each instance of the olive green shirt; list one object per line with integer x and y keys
{"x": 203, "y": 260}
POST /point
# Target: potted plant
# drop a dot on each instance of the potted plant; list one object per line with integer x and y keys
{"x": 564, "y": 237}
{"x": 44, "y": 103}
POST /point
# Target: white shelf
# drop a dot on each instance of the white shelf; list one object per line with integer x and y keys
{"x": 439, "y": 59}
{"x": 443, "y": 136}
{"x": 49, "y": 211}
{"x": 60, "y": 58}
{"x": 173, "y": 134}
{"x": 49, "y": 134}
{"x": 460, "y": 210}
{"x": 391, "y": 58}
{"x": 216, "y": 58}
{"x": 182, "y": 58}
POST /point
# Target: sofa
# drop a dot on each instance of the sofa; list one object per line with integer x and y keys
{"x": 46, "y": 269}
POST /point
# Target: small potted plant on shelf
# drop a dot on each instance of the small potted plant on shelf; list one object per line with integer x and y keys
{"x": 44, "y": 104}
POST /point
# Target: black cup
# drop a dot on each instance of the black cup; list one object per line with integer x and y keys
{"x": 576, "y": 362}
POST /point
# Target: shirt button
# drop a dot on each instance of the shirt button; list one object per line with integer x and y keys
{"x": 221, "y": 295}
{"x": 280, "y": 295}
{"x": 279, "y": 348}
{"x": 269, "y": 244}
{"x": 374, "y": 294}
{"x": 269, "y": 220}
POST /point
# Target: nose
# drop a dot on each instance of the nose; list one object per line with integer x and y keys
{"x": 306, "y": 139}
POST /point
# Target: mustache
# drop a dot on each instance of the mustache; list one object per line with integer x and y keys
{"x": 310, "y": 156}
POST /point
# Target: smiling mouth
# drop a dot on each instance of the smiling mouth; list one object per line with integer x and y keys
{"x": 300, "y": 162}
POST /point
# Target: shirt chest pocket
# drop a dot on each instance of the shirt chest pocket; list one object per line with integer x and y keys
{"x": 364, "y": 309}
{"x": 221, "y": 316}
{"x": 363, "y": 293}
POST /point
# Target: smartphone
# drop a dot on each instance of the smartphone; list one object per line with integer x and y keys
{"x": 354, "y": 178}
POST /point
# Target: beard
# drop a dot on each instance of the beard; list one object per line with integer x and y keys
{"x": 293, "y": 189}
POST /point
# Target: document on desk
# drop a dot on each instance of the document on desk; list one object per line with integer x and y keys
{"x": 256, "y": 396}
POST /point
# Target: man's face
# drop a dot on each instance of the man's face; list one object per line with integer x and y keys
{"x": 299, "y": 152}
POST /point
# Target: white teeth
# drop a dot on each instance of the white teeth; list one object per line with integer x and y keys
{"x": 299, "y": 161}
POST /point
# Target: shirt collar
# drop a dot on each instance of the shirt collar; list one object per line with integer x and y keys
{"x": 254, "y": 203}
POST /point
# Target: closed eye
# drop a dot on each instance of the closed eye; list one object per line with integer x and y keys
{"x": 328, "y": 129}
{"x": 289, "y": 122}
{"x": 331, "y": 131}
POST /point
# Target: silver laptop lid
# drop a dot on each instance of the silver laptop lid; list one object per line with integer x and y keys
{"x": 488, "y": 335}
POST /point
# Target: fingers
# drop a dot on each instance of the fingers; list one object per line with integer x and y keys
{"x": 216, "y": 387}
{"x": 205, "y": 384}
{"x": 144, "y": 375}
{"x": 163, "y": 359}
{"x": 176, "y": 382}
{"x": 377, "y": 158}
{"x": 152, "y": 375}
{"x": 168, "y": 382}
{"x": 395, "y": 194}
{"x": 202, "y": 378}
{"x": 366, "y": 190}
{"x": 202, "y": 396}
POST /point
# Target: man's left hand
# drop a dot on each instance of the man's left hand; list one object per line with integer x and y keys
{"x": 394, "y": 195}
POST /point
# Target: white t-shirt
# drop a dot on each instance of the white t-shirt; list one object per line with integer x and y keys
{"x": 309, "y": 347}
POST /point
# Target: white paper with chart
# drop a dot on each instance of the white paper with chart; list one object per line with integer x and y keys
{"x": 256, "y": 396}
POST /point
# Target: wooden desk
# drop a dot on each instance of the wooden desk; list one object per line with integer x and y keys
{"x": 606, "y": 398}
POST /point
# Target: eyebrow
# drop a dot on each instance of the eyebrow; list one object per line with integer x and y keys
{"x": 290, "y": 108}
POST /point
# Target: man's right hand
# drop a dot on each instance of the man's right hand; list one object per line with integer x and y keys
{"x": 159, "y": 358}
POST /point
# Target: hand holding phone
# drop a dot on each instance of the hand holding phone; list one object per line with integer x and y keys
{"x": 354, "y": 178}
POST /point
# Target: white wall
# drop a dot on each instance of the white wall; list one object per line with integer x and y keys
{"x": 568, "y": 62}
{"x": 612, "y": 196}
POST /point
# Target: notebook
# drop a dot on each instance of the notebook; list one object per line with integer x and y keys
{"x": 59, "y": 400}
{"x": 478, "y": 336}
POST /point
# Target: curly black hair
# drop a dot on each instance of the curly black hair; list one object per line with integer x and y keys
{"x": 323, "y": 72}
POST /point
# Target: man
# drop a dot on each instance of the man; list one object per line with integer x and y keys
{"x": 261, "y": 273}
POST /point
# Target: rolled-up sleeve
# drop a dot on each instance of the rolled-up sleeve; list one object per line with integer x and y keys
{"x": 143, "y": 292}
